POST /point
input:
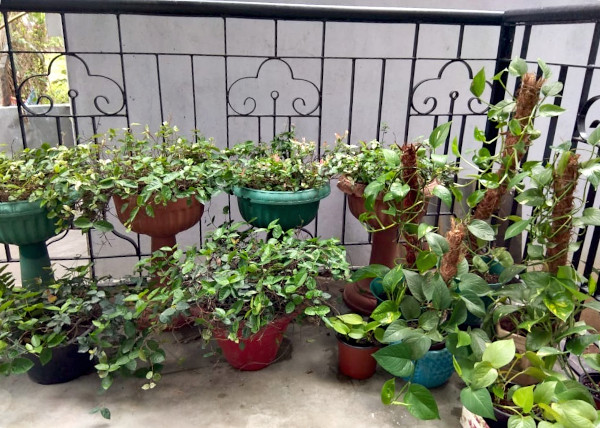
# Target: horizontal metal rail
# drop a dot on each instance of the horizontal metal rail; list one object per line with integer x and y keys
{"x": 303, "y": 12}
{"x": 256, "y": 10}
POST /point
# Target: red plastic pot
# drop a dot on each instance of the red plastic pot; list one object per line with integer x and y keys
{"x": 356, "y": 361}
{"x": 257, "y": 351}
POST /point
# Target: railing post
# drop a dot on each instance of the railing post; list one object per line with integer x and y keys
{"x": 505, "y": 47}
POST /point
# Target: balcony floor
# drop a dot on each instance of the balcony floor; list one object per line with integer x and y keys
{"x": 302, "y": 389}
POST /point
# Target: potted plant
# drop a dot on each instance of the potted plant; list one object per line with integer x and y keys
{"x": 280, "y": 180}
{"x": 490, "y": 392}
{"x": 35, "y": 204}
{"x": 39, "y": 329}
{"x": 418, "y": 318}
{"x": 356, "y": 344}
{"x": 75, "y": 327}
{"x": 159, "y": 182}
{"x": 248, "y": 288}
{"x": 388, "y": 191}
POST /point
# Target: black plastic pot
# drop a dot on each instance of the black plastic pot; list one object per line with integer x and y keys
{"x": 586, "y": 379}
{"x": 501, "y": 419}
{"x": 66, "y": 364}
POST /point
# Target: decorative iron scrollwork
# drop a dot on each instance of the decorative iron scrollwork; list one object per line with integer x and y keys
{"x": 431, "y": 102}
{"x": 289, "y": 97}
{"x": 582, "y": 129}
{"x": 101, "y": 102}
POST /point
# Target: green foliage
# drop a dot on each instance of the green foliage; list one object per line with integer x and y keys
{"x": 489, "y": 378}
{"x": 284, "y": 164}
{"x": 384, "y": 174}
{"x": 240, "y": 281}
{"x": 157, "y": 168}
{"x": 114, "y": 325}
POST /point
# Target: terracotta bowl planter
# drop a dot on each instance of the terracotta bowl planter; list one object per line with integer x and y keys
{"x": 356, "y": 361}
{"x": 167, "y": 222}
{"x": 27, "y": 225}
{"x": 384, "y": 250}
{"x": 257, "y": 351}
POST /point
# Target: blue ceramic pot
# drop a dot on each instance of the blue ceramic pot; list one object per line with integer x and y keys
{"x": 434, "y": 369}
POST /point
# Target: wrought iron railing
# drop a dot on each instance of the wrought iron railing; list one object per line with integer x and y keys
{"x": 372, "y": 71}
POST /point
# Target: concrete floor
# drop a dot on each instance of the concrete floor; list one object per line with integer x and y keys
{"x": 302, "y": 389}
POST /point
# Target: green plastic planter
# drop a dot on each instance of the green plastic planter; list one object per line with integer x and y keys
{"x": 293, "y": 209}
{"x": 26, "y": 224}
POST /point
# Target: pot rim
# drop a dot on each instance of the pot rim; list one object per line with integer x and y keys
{"x": 342, "y": 340}
{"x": 282, "y": 197}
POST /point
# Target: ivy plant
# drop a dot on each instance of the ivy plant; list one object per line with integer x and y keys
{"x": 241, "y": 280}
{"x": 284, "y": 164}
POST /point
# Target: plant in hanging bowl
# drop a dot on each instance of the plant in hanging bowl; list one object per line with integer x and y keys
{"x": 244, "y": 289}
{"x": 388, "y": 190}
{"x": 159, "y": 181}
{"x": 34, "y": 207}
{"x": 281, "y": 180}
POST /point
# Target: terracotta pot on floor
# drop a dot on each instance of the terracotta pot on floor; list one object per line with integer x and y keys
{"x": 356, "y": 361}
{"x": 384, "y": 250}
{"x": 167, "y": 222}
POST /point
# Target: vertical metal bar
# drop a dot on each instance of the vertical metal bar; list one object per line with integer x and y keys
{"x": 122, "y": 58}
{"x": 505, "y": 46}
{"x": 591, "y": 196}
{"x": 160, "y": 100}
{"x": 258, "y": 119}
{"x": 73, "y": 102}
{"x": 461, "y": 137}
{"x": 275, "y": 44}
{"x": 59, "y": 131}
{"x": 274, "y": 117}
{"x": 225, "y": 58}
{"x": 352, "y": 76}
{"x": 461, "y": 35}
{"x": 411, "y": 83}
{"x": 351, "y": 103}
{"x": 562, "y": 77}
{"x": 7, "y": 248}
{"x": 94, "y": 125}
{"x": 194, "y": 93}
{"x": 13, "y": 67}
{"x": 321, "y": 77}
{"x": 320, "y": 120}
{"x": 381, "y": 88}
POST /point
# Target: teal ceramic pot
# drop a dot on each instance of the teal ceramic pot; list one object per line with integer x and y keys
{"x": 24, "y": 223}
{"x": 376, "y": 287}
{"x": 293, "y": 209}
{"x": 27, "y": 225}
{"x": 434, "y": 369}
